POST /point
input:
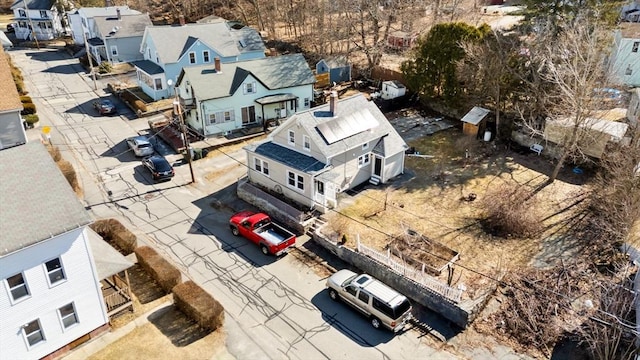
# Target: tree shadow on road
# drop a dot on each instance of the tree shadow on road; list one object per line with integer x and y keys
{"x": 176, "y": 326}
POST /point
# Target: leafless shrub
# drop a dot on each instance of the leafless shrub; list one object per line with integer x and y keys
{"x": 116, "y": 234}
{"x": 54, "y": 151}
{"x": 167, "y": 275}
{"x": 196, "y": 303}
{"x": 508, "y": 211}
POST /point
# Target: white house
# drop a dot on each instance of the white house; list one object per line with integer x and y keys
{"x": 225, "y": 97}
{"x": 39, "y": 18}
{"x": 624, "y": 60}
{"x": 82, "y": 23}
{"x": 392, "y": 89}
{"x": 51, "y": 293}
{"x": 11, "y": 129}
{"x": 320, "y": 152}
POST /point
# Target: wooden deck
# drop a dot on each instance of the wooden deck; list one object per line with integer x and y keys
{"x": 116, "y": 298}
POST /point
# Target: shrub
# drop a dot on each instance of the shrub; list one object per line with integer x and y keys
{"x": 508, "y": 211}
{"x": 197, "y": 304}
{"x": 105, "y": 67}
{"x": 25, "y": 99}
{"x": 140, "y": 105}
{"x": 31, "y": 119}
{"x": 69, "y": 173}
{"x": 116, "y": 234}
{"x": 29, "y": 108}
{"x": 55, "y": 153}
{"x": 163, "y": 272}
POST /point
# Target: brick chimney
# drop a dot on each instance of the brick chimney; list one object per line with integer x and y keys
{"x": 118, "y": 13}
{"x": 181, "y": 19}
{"x": 333, "y": 103}
{"x": 217, "y": 63}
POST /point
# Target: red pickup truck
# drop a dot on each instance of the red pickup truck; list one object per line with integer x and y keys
{"x": 258, "y": 228}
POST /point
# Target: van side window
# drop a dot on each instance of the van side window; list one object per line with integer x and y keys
{"x": 364, "y": 297}
{"x": 351, "y": 290}
{"x": 382, "y": 307}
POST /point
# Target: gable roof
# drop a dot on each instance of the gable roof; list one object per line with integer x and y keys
{"x": 10, "y": 100}
{"x": 127, "y": 26}
{"x": 172, "y": 41}
{"x": 355, "y": 106}
{"x": 289, "y": 157}
{"x": 337, "y": 61}
{"x": 91, "y": 12}
{"x": 34, "y": 4}
{"x": 475, "y": 115}
{"x": 37, "y": 201}
{"x": 273, "y": 72}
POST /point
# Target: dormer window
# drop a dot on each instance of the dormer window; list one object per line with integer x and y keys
{"x": 292, "y": 137}
{"x": 22, "y": 13}
{"x": 192, "y": 58}
{"x": 250, "y": 88}
{"x": 43, "y": 14}
{"x": 205, "y": 56}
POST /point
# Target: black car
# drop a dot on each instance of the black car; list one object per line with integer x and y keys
{"x": 11, "y": 27}
{"x": 159, "y": 167}
{"x": 104, "y": 106}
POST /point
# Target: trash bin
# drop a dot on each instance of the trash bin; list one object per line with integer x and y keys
{"x": 197, "y": 154}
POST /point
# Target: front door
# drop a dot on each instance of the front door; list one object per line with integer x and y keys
{"x": 319, "y": 198}
{"x": 377, "y": 166}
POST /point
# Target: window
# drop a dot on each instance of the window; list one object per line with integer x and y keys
{"x": 363, "y": 160}
{"x": 17, "y": 286}
{"x": 628, "y": 71}
{"x": 158, "y": 83}
{"x": 306, "y": 102}
{"x": 306, "y": 143}
{"x": 219, "y": 117}
{"x": 382, "y": 307}
{"x": 295, "y": 180}
{"x": 292, "y": 137}
{"x": 636, "y": 45}
{"x": 114, "y": 50}
{"x": 227, "y": 116}
{"x": 33, "y": 332}
{"x": 205, "y": 56}
{"x": 364, "y": 297}
{"x": 261, "y": 166}
{"x": 248, "y": 115}
{"x": 55, "y": 271}
{"x": 212, "y": 119}
{"x": 22, "y": 13}
{"x": 365, "y": 146}
{"x": 351, "y": 290}
{"x": 250, "y": 88}
{"x": 43, "y": 14}
{"x": 68, "y": 315}
{"x": 192, "y": 58}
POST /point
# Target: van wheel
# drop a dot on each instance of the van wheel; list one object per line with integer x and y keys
{"x": 235, "y": 231}
{"x": 375, "y": 323}
{"x": 265, "y": 249}
{"x": 333, "y": 295}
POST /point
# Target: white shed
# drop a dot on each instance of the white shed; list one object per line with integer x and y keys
{"x": 392, "y": 89}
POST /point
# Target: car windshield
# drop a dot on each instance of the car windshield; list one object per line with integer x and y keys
{"x": 349, "y": 280}
{"x": 161, "y": 165}
{"x": 106, "y": 103}
{"x": 143, "y": 145}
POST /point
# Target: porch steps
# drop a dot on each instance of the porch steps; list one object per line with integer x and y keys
{"x": 316, "y": 224}
{"x": 374, "y": 180}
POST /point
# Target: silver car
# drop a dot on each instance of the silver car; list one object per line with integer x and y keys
{"x": 140, "y": 146}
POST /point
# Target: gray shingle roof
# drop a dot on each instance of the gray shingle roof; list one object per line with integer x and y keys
{"x": 34, "y": 4}
{"x": 171, "y": 40}
{"x": 273, "y": 72}
{"x": 336, "y": 61}
{"x": 288, "y": 157}
{"x": 91, "y": 12}
{"x": 37, "y": 201}
{"x": 107, "y": 259}
{"x": 149, "y": 67}
{"x": 127, "y": 26}
{"x": 391, "y": 141}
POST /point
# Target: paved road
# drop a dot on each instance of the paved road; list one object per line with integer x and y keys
{"x": 276, "y": 309}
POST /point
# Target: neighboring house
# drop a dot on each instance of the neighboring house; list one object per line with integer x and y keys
{"x": 329, "y": 149}
{"x": 633, "y": 111}
{"x": 39, "y": 18}
{"x": 82, "y": 23}
{"x": 401, "y": 40}
{"x": 224, "y": 97}
{"x": 624, "y": 61}
{"x": 631, "y": 11}
{"x": 168, "y": 49}
{"x": 119, "y": 37}
{"x": 52, "y": 296}
{"x": 11, "y": 125}
{"x": 338, "y": 68}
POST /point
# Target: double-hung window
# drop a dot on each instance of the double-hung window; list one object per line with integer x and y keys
{"x": 33, "y": 332}
{"x": 292, "y": 137}
{"x": 55, "y": 271}
{"x": 295, "y": 180}
{"x": 363, "y": 160}
{"x": 68, "y": 315}
{"x": 17, "y": 286}
{"x": 306, "y": 143}
{"x": 205, "y": 56}
{"x": 192, "y": 58}
{"x": 261, "y": 166}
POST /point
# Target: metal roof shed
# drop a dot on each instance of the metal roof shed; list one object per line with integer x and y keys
{"x": 474, "y": 120}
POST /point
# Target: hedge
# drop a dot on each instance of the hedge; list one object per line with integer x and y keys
{"x": 199, "y": 305}
{"x": 140, "y": 105}
{"x": 116, "y": 234}
{"x": 25, "y": 99}
{"x": 162, "y": 271}
{"x": 29, "y": 108}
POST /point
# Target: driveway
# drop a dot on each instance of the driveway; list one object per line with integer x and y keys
{"x": 275, "y": 308}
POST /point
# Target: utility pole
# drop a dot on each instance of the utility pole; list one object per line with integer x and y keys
{"x": 33, "y": 30}
{"x": 86, "y": 48}
{"x": 183, "y": 127}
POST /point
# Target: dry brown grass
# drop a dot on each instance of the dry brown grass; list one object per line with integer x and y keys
{"x": 430, "y": 204}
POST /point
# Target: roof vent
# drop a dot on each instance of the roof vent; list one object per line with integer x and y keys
{"x": 242, "y": 43}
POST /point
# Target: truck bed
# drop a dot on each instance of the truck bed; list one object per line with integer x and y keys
{"x": 273, "y": 234}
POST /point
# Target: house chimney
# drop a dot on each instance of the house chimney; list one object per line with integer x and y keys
{"x": 333, "y": 103}
{"x": 118, "y": 13}
{"x": 181, "y": 19}
{"x": 217, "y": 62}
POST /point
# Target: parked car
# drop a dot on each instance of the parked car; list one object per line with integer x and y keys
{"x": 383, "y": 306}
{"x": 258, "y": 228}
{"x": 11, "y": 27}
{"x": 159, "y": 167}
{"x": 104, "y": 106}
{"x": 140, "y": 146}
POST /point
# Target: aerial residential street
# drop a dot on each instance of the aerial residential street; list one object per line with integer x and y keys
{"x": 275, "y": 308}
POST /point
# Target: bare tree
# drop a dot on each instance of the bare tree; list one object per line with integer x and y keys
{"x": 572, "y": 62}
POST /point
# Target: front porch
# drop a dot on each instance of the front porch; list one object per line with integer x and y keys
{"x": 116, "y": 292}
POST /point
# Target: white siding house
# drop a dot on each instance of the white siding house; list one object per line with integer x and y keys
{"x": 39, "y": 18}
{"x": 320, "y": 152}
{"x": 624, "y": 60}
{"x": 246, "y": 93}
{"x": 50, "y": 292}
{"x": 82, "y": 21}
